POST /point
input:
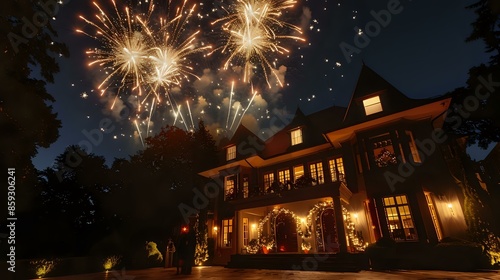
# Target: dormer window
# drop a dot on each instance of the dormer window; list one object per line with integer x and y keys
{"x": 372, "y": 105}
{"x": 231, "y": 152}
{"x": 296, "y": 136}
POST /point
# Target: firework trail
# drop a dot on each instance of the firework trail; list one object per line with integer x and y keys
{"x": 139, "y": 54}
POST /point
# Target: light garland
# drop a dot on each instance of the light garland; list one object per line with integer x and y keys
{"x": 270, "y": 242}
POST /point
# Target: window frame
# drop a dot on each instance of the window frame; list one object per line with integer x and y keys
{"x": 372, "y": 105}
{"x": 226, "y": 234}
{"x": 315, "y": 169}
{"x": 397, "y": 206}
{"x": 227, "y": 178}
{"x": 295, "y": 175}
{"x": 230, "y": 152}
{"x": 337, "y": 173}
{"x": 268, "y": 180}
{"x": 296, "y": 139}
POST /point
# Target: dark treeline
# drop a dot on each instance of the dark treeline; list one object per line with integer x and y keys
{"x": 86, "y": 208}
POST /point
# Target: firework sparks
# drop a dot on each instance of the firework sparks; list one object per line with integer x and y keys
{"x": 254, "y": 32}
{"x": 137, "y": 54}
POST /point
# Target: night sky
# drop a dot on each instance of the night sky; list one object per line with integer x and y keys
{"x": 421, "y": 51}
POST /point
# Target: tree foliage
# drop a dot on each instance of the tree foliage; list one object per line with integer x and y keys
{"x": 27, "y": 63}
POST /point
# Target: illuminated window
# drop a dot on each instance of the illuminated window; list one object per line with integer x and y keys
{"x": 383, "y": 151}
{"x": 317, "y": 173}
{"x": 413, "y": 148}
{"x": 284, "y": 176}
{"x": 268, "y": 180}
{"x": 229, "y": 187}
{"x": 227, "y": 231}
{"x": 337, "y": 169}
{"x": 372, "y": 105}
{"x": 434, "y": 216}
{"x": 231, "y": 153}
{"x": 296, "y": 136}
{"x": 245, "y": 231}
{"x": 298, "y": 171}
{"x": 245, "y": 186}
{"x": 399, "y": 218}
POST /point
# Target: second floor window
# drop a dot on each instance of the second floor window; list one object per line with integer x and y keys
{"x": 231, "y": 153}
{"x": 413, "y": 148}
{"x": 298, "y": 171}
{"x": 229, "y": 187}
{"x": 317, "y": 173}
{"x": 268, "y": 180}
{"x": 296, "y": 136}
{"x": 383, "y": 151}
{"x": 337, "y": 172}
{"x": 284, "y": 176}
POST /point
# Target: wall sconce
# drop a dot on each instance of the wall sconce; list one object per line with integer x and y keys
{"x": 254, "y": 226}
{"x": 355, "y": 215}
{"x": 303, "y": 220}
{"x": 450, "y": 206}
{"x": 215, "y": 229}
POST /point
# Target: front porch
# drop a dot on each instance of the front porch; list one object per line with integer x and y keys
{"x": 341, "y": 262}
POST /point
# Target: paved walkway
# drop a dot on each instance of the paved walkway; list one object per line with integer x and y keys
{"x": 217, "y": 272}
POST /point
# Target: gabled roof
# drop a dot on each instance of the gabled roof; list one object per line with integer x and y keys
{"x": 313, "y": 126}
{"x": 370, "y": 84}
{"x": 246, "y": 142}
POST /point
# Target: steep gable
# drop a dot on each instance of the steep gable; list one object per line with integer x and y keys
{"x": 311, "y": 131}
{"x": 246, "y": 144}
{"x": 374, "y": 97}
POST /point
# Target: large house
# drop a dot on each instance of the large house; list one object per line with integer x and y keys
{"x": 339, "y": 179}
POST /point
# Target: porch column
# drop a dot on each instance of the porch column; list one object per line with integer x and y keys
{"x": 236, "y": 231}
{"x": 339, "y": 218}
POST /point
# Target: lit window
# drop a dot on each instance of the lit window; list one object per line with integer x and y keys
{"x": 245, "y": 187}
{"x": 298, "y": 171}
{"x": 434, "y": 216}
{"x": 337, "y": 169}
{"x": 227, "y": 231}
{"x": 383, "y": 151}
{"x": 399, "y": 218}
{"x": 245, "y": 231}
{"x": 231, "y": 153}
{"x": 284, "y": 176}
{"x": 229, "y": 187}
{"x": 372, "y": 105}
{"x": 413, "y": 147}
{"x": 268, "y": 180}
{"x": 317, "y": 173}
{"x": 296, "y": 136}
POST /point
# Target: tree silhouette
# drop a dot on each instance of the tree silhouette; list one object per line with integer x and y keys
{"x": 28, "y": 62}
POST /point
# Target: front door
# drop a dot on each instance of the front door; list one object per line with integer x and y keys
{"x": 286, "y": 233}
{"x": 329, "y": 231}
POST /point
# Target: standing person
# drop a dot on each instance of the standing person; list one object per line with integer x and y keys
{"x": 190, "y": 251}
{"x": 181, "y": 250}
{"x": 169, "y": 256}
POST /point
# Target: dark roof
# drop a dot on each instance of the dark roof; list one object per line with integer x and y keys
{"x": 313, "y": 126}
{"x": 328, "y": 119}
{"x": 370, "y": 84}
{"x": 246, "y": 142}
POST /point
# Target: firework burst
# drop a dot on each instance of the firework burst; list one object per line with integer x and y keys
{"x": 138, "y": 54}
{"x": 143, "y": 55}
{"x": 254, "y": 33}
